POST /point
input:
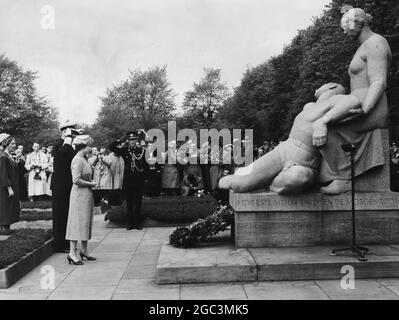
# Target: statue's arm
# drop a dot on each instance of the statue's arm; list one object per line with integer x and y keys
{"x": 378, "y": 59}
{"x": 338, "y": 110}
{"x": 341, "y": 110}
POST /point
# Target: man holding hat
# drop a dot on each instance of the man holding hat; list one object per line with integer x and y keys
{"x": 61, "y": 184}
{"x": 133, "y": 154}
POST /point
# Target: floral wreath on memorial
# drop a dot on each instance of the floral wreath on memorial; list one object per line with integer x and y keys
{"x": 203, "y": 229}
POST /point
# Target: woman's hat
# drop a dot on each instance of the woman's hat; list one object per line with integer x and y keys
{"x": 83, "y": 139}
{"x": 3, "y": 137}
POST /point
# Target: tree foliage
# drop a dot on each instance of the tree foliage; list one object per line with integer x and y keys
{"x": 205, "y": 99}
{"x": 273, "y": 93}
{"x": 145, "y": 100}
{"x": 23, "y": 113}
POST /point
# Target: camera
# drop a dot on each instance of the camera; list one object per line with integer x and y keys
{"x": 37, "y": 171}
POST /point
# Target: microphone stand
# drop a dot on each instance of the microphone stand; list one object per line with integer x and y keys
{"x": 361, "y": 252}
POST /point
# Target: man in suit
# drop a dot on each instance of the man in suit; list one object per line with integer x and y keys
{"x": 61, "y": 184}
{"x": 133, "y": 154}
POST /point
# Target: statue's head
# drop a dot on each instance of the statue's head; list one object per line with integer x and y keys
{"x": 328, "y": 90}
{"x": 354, "y": 20}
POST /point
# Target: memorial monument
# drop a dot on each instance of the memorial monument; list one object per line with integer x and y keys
{"x": 292, "y": 206}
{"x": 313, "y": 157}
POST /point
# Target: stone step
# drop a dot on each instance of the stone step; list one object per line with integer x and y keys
{"x": 205, "y": 265}
{"x": 225, "y": 263}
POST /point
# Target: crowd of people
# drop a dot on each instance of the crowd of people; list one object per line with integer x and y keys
{"x": 79, "y": 177}
{"x": 394, "y": 155}
{"x": 35, "y": 171}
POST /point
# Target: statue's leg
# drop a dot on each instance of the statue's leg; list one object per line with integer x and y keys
{"x": 258, "y": 175}
{"x": 293, "y": 180}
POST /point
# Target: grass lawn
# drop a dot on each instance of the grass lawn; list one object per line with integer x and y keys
{"x": 20, "y": 243}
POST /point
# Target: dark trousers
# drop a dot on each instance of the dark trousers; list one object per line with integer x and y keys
{"x": 134, "y": 198}
{"x": 60, "y": 204}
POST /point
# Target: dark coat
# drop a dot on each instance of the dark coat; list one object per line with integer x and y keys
{"x": 23, "y": 186}
{"x": 9, "y": 206}
{"x": 62, "y": 175}
{"x": 132, "y": 179}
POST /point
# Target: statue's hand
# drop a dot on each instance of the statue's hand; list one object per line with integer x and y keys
{"x": 358, "y": 111}
{"x": 319, "y": 133}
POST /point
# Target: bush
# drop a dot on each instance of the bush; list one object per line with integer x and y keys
{"x": 169, "y": 209}
{"x": 36, "y": 205}
{"x": 33, "y": 215}
{"x": 20, "y": 243}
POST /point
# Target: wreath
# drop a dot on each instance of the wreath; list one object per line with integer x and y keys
{"x": 203, "y": 229}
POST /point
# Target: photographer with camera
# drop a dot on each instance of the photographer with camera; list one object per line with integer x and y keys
{"x": 61, "y": 183}
{"x": 36, "y": 164}
{"x": 131, "y": 149}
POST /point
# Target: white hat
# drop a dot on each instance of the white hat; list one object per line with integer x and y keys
{"x": 82, "y": 139}
{"x": 4, "y": 136}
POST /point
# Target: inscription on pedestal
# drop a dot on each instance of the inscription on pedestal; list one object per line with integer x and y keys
{"x": 313, "y": 202}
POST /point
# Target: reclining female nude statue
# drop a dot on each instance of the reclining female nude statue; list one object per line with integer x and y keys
{"x": 313, "y": 150}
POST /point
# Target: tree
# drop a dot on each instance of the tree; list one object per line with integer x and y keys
{"x": 205, "y": 99}
{"x": 145, "y": 100}
{"x": 23, "y": 113}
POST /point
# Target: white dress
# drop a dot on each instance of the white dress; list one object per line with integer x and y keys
{"x": 36, "y": 164}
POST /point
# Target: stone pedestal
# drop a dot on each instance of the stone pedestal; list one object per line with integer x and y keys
{"x": 270, "y": 220}
{"x": 267, "y": 220}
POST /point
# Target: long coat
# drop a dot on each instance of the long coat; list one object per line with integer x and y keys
{"x": 102, "y": 172}
{"x": 62, "y": 177}
{"x": 61, "y": 185}
{"x": 135, "y": 170}
{"x": 49, "y": 175}
{"x": 117, "y": 170}
{"x": 80, "y": 216}
{"x": 170, "y": 177}
{"x": 9, "y": 206}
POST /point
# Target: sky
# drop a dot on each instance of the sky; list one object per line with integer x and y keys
{"x": 79, "y": 48}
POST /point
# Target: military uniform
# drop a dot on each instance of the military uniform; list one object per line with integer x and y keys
{"x": 133, "y": 179}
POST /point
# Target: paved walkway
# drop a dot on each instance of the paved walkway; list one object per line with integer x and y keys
{"x": 126, "y": 270}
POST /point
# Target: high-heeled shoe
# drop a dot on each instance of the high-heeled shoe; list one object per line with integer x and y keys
{"x": 82, "y": 255}
{"x": 76, "y": 263}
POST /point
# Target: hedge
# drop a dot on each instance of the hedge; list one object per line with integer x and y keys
{"x": 20, "y": 243}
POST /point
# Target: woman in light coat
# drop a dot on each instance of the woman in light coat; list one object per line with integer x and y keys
{"x": 170, "y": 172}
{"x": 117, "y": 170}
{"x": 80, "y": 216}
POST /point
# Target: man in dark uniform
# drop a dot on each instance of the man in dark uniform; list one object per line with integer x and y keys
{"x": 61, "y": 184}
{"x": 134, "y": 176}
